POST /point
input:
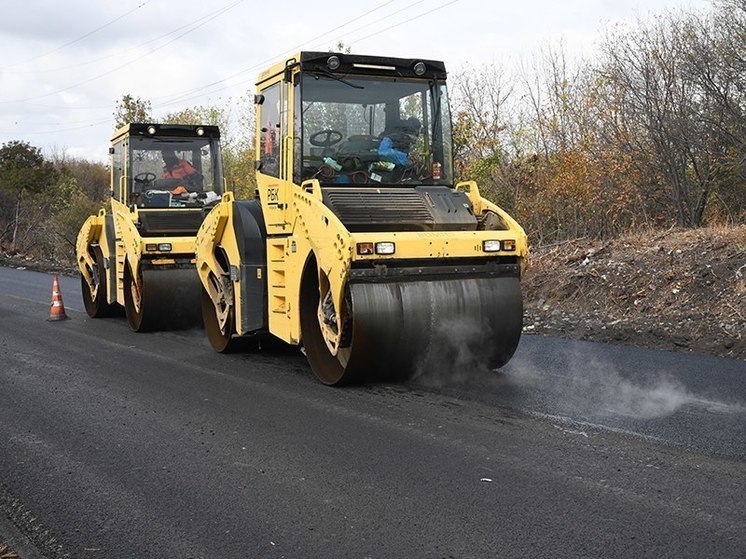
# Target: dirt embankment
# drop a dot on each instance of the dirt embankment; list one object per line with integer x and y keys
{"x": 681, "y": 290}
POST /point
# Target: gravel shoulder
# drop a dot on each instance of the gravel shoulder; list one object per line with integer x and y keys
{"x": 679, "y": 290}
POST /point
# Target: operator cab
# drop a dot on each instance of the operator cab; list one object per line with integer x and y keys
{"x": 167, "y": 166}
{"x": 360, "y": 120}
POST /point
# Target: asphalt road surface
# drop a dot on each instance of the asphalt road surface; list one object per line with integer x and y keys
{"x": 115, "y": 444}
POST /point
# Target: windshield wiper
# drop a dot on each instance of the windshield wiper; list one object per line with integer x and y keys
{"x": 328, "y": 74}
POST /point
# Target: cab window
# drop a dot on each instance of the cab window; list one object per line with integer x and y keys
{"x": 269, "y": 139}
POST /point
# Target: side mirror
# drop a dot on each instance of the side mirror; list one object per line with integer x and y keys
{"x": 289, "y": 65}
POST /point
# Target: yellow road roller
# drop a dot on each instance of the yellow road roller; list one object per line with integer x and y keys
{"x": 138, "y": 253}
{"x": 359, "y": 245}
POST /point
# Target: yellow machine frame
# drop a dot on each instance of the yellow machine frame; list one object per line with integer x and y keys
{"x": 128, "y": 245}
{"x": 113, "y": 233}
{"x": 301, "y": 229}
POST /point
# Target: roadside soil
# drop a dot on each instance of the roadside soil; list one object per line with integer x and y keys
{"x": 6, "y": 552}
{"x": 680, "y": 290}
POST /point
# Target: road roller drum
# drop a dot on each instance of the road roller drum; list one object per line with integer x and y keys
{"x": 167, "y": 299}
{"x": 398, "y": 326}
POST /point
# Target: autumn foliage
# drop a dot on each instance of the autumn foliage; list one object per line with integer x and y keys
{"x": 650, "y": 133}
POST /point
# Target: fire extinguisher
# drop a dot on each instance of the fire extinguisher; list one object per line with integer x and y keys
{"x": 437, "y": 169}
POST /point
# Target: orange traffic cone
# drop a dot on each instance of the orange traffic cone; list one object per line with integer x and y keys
{"x": 57, "y": 309}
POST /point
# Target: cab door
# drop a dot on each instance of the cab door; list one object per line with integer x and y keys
{"x": 272, "y": 156}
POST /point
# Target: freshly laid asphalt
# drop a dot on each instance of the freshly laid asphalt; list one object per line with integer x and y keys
{"x": 115, "y": 444}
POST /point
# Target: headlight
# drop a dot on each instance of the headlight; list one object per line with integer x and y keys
{"x": 385, "y": 248}
{"x": 491, "y": 246}
{"x": 164, "y": 247}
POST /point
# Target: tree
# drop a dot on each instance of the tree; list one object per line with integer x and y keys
{"x": 484, "y": 146}
{"x": 68, "y": 210}
{"x": 716, "y": 59}
{"x": 681, "y": 108}
{"x": 201, "y": 114}
{"x": 92, "y": 177}
{"x": 23, "y": 170}
{"x": 237, "y": 147}
{"x": 131, "y": 109}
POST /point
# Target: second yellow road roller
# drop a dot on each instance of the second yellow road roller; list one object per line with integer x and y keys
{"x": 360, "y": 246}
{"x": 137, "y": 254}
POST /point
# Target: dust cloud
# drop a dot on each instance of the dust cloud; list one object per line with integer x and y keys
{"x": 577, "y": 382}
{"x": 456, "y": 354}
{"x": 594, "y": 386}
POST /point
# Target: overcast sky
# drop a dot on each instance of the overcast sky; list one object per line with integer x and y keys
{"x": 65, "y": 64}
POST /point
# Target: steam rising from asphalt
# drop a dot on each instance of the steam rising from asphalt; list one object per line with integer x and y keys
{"x": 584, "y": 384}
{"x": 593, "y": 386}
{"x": 456, "y": 354}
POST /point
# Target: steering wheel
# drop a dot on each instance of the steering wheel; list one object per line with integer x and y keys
{"x": 144, "y": 178}
{"x": 325, "y": 138}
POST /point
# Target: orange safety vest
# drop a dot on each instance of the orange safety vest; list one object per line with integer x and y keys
{"x": 178, "y": 171}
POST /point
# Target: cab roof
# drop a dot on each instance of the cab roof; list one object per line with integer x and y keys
{"x": 166, "y": 130}
{"x": 314, "y": 61}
